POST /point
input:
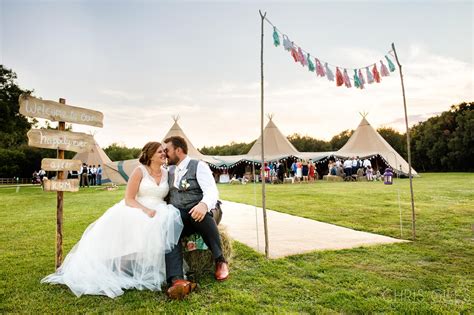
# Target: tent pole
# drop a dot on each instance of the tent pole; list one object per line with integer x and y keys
{"x": 413, "y": 218}
{"x": 262, "y": 175}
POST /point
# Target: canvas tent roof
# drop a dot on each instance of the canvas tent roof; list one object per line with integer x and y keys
{"x": 176, "y": 130}
{"x": 277, "y": 145}
{"x": 366, "y": 141}
{"x": 96, "y": 156}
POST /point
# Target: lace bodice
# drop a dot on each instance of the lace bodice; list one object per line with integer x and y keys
{"x": 150, "y": 193}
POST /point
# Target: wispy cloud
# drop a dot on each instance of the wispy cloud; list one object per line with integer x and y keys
{"x": 123, "y": 95}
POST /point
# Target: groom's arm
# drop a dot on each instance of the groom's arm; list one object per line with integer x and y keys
{"x": 209, "y": 190}
{"x": 208, "y": 185}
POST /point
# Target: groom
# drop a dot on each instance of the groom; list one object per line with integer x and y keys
{"x": 194, "y": 192}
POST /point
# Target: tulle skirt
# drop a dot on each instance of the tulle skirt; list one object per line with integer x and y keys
{"x": 123, "y": 249}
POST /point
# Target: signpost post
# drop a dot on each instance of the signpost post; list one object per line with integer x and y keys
{"x": 60, "y": 202}
{"x": 61, "y": 141}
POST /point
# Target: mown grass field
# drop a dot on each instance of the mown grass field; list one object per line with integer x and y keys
{"x": 434, "y": 274}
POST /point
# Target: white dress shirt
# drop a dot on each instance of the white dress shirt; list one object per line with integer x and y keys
{"x": 204, "y": 178}
{"x": 367, "y": 163}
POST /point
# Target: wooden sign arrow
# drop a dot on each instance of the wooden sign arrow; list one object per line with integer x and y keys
{"x": 61, "y": 185}
{"x": 34, "y": 107}
{"x": 63, "y": 140}
{"x": 61, "y": 165}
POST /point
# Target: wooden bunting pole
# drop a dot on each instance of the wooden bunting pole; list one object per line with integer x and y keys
{"x": 262, "y": 171}
{"x": 413, "y": 217}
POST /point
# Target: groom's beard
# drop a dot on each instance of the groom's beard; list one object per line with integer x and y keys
{"x": 173, "y": 161}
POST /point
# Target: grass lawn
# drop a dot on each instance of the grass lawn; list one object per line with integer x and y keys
{"x": 434, "y": 274}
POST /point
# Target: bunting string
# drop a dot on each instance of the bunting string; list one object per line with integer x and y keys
{"x": 373, "y": 72}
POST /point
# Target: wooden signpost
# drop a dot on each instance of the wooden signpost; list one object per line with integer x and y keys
{"x": 63, "y": 140}
{"x": 60, "y": 140}
{"x": 54, "y": 111}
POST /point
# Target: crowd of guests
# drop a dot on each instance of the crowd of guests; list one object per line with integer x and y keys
{"x": 303, "y": 171}
{"x": 38, "y": 177}
{"x": 353, "y": 168}
{"x": 88, "y": 175}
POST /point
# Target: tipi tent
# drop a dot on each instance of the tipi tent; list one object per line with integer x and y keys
{"x": 367, "y": 142}
{"x": 276, "y": 144}
{"x": 96, "y": 156}
{"x": 176, "y": 130}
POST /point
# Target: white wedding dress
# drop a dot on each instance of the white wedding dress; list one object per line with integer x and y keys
{"x": 124, "y": 248}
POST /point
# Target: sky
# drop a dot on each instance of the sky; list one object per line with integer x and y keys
{"x": 142, "y": 62}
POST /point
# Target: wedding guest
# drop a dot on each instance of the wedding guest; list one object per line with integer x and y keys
{"x": 299, "y": 171}
{"x": 304, "y": 170}
{"x": 366, "y": 163}
{"x": 94, "y": 175}
{"x": 348, "y": 167}
{"x": 99, "y": 175}
{"x": 84, "y": 175}
{"x": 369, "y": 173}
{"x": 311, "y": 170}
{"x": 355, "y": 165}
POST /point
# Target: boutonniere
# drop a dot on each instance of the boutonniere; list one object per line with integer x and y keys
{"x": 184, "y": 184}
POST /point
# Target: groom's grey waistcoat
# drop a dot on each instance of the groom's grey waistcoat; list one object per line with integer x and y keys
{"x": 185, "y": 198}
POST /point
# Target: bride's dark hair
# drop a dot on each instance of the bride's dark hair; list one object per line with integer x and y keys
{"x": 148, "y": 151}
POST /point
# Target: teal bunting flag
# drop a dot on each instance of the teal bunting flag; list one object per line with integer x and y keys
{"x": 391, "y": 66}
{"x": 276, "y": 38}
{"x": 310, "y": 64}
{"x": 356, "y": 79}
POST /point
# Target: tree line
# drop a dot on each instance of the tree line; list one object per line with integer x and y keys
{"x": 441, "y": 143}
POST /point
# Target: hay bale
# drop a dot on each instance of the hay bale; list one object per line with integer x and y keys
{"x": 333, "y": 178}
{"x": 200, "y": 262}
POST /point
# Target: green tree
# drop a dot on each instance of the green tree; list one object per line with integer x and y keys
{"x": 397, "y": 140}
{"x": 445, "y": 142}
{"x": 339, "y": 140}
{"x": 13, "y": 125}
{"x": 308, "y": 144}
{"x": 233, "y": 148}
{"x": 118, "y": 152}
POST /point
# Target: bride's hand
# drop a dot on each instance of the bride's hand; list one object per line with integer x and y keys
{"x": 151, "y": 213}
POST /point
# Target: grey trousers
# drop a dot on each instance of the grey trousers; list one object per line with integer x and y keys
{"x": 207, "y": 228}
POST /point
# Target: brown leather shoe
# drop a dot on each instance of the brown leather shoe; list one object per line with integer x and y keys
{"x": 180, "y": 289}
{"x": 222, "y": 271}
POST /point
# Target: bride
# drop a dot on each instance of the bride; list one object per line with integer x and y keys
{"x": 125, "y": 248}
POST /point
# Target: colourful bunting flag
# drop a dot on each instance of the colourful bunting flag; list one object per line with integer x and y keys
{"x": 383, "y": 69}
{"x": 329, "y": 73}
{"x": 391, "y": 66}
{"x": 339, "y": 77}
{"x": 294, "y": 53}
{"x": 310, "y": 64}
{"x": 319, "y": 68}
{"x": 301, "y": 57}
{"x": 356, "y": 79}
{"x": 376, "y": 74}
{"x": 347, "y": 80}
{"x": 361, "y": 79}
{"x": 287, "y": 43}
{"x": 370, "y": 77}
{"x": 276, "y": 38}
